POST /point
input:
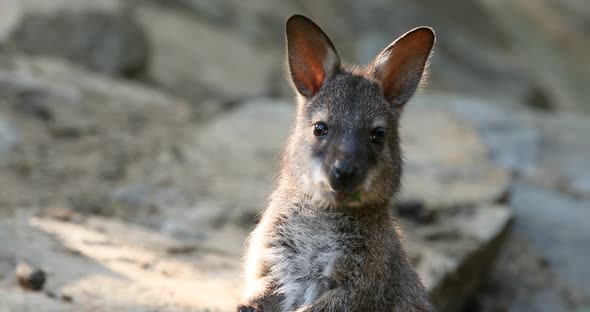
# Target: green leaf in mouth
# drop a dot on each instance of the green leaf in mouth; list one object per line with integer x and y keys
{"x": 356, "y": 196}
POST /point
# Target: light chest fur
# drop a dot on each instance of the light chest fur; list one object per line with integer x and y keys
{"x": 311, "y": 254}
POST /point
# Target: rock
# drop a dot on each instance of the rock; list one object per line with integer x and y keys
{"x": 506, "y": 63}
{"x": 34, "y": 103}
{"x": 415, "y": 209}
{"x": 118, "y": 276}
{"x": 30, "y": 277}
{"x": 97, "y": 34}
{"x": 511, "y": 138}
{"x": 136, "y": 235}
{"x": 258, "y": 22}
{"x": 448, "y": 188}
{"x": 495, "y": 60}
{"x": 8, "y": 138}
{"x": 456, "y": 253}
{"x": 102, "y": 132}
{"x": 564, "y": 150}
{"x": 43, "y": 6}
{"x": 553, "y": 228}
{"x": 536, "y": 34}
{"x": 519, "y": 282}
{"x": 218, "y": 12}
{"x": 13, "y": 300}
{"x": 196, "y": 60}
{"x": 557, "y": 226}
{"x": 549, "y": 149}
{"x": 116, "y": 271}
{"x": 170, "y": 210}
{"x": 108, "y": 42}
{"x": 447, "y": 163}
{"x": 236, "y": 156}
{"x": 62, "y": 214}
{"x": 134, "y": 194}
{"x": 27, "y": 95}
{"x": 10, "y": 12}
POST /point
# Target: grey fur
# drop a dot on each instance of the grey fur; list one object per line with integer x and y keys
{"x": 312, "y": 251}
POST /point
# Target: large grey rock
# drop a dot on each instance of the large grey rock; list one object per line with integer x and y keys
{"x": 10, "y": 12}
{"x": 537, "y": 33}
{"x": 447, "y": 162}
{"x": 564, "y": 149}
{"x": 464, "y": 61}
{"x": 455, "y": 255}
{"x": 197, "y": 60}
{"x": 235, "y": 157}
{"x": 511, "y": 138}
{"x": 515, "y": 55}
{"x": 520, "y": 53}
{"x": 549, "y": 148}
{"x": 537, "y": 210}
{"x": 557, "y": 227}
{"x": 106, "y": 265}
{"x": 83, "y": 133}
{"x": 217, "y": 12}
{"x": 550, "y": 151}
{"x": 17, "y": 300}
{"x": 109, "y": 42}
{"x": 8, "y": 138}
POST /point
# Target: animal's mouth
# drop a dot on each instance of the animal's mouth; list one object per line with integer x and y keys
{"x": 342, "y": 197}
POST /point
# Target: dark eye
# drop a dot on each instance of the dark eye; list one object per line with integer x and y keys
{"x": 377, "y": 135}
{"x": 320, "y": 129}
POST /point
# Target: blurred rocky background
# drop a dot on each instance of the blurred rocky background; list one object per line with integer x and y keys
{"x": 139, "y": 140}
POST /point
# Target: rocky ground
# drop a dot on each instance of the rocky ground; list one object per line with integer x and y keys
{"x": 139, "y": 141}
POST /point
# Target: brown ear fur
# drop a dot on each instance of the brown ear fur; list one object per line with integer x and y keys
{"x": 312, "y": 57}
{"x": 401, "y": 66}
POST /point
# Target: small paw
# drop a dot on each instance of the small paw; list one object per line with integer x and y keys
{"x": 249, "y": 308}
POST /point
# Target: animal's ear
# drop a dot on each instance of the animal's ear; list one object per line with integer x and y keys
{"x": 311, "y": 55}
{"x": 401, "y": 66}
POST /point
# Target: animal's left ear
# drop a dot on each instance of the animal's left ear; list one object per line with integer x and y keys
{"x": 400, "y": 67}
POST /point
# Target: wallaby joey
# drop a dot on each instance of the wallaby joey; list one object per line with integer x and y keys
{"x": 328, "y": 241}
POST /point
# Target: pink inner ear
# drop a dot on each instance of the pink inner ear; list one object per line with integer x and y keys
{"x": 318, "y": 78}
{"x": 312, "y": 73}
{"x": 400, "y": 67}
{"x": 397, "y": 74}
{"x": 311, "y": 76}
{"x": 312, "y": 57}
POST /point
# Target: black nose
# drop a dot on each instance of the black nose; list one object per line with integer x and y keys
{"x": 345, "y": 177}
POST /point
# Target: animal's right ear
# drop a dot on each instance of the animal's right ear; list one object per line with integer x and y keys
{"x": 400, "y": 67}
{"x": 311, "y": 55}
